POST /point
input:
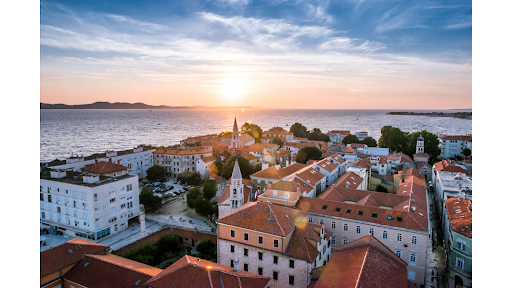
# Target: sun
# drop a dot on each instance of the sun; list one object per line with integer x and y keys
{"x": 232, "y": 89}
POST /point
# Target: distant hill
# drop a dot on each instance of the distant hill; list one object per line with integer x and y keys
{"x": 122, "y": 105}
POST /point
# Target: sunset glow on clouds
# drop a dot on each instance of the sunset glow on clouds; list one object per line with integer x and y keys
{"x": 275, "y": 54}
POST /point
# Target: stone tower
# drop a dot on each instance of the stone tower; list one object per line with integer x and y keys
{"x": 235, "y": 138}
{"x": 420, "y": 145}
{"x": 236, "y": 189}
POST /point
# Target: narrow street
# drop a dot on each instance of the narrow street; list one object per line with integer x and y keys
{"x": 435, "y": 273}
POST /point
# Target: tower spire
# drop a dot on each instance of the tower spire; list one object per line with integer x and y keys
{"x": 237, "y": 174}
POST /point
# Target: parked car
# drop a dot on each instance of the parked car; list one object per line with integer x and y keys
{"x": 175, "y": 182}
{"x": 185, "y": 188}
{"x": 172, "y": 194}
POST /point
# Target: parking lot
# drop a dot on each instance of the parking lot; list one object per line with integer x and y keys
{"x": 175, "y": 192}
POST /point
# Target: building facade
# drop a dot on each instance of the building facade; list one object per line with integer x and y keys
{"x": 454, "y": 145}
{"x": 179, "y": 160}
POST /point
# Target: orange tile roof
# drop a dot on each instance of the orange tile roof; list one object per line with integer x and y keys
{"x": 103, "y": 167}
{"x": 192, "y": 272}
{"x": 342, "y": 132}
{"x": 187, "y": 151}
{"x": 310, "y": 176}
{"x": 93, "y": 271}
{"x": 362, "y": 164}
{"x": 201, "y": 138}
{"x": 291, "y": 185}
{"x": 58, "y": 257}
{"x": 364, "y": 262}
{"x": 327, "y": 165}
{"x": 449, "y": 166}
{"x": 353, "y": 179}
{"x": 282, "y": 223}
{"x": 299, "y": 145}
{"x": 127, "y": 263}
{"x": 458, "y": 138}
{"x": 208, "y": 159}
{"x": 299, "y": 246}
{"x": 349, "y": 150}
{"x": 460, "y": 216}
{"x": 273, "y": 173}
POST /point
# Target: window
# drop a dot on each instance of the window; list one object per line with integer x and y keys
{"x": 246, "y": 236}
{"x": 260, "y": 256}
{"x": 412, "y": 259}
{"x": 337, "y": 209}
{"x": 310, "y": 219}
{"x": 246, "y": 267}
{"x": 260, "y": 271}
{"x": 42, "y": 215}
{"x": 322, "y": 221}
{"x": 233, "y": 233}
{"x": 414, "y": 240}
{"x": 344, "y": 241}
{"x": 50, "y": 198}
{"x": 122, "y": 206}
{"x": 459, "y": 262}
{"x": 130, "y": 204}
{"x": 291, "y": 279}
{"x": 274, "y": 275}
{"x": 292, "y": 264}
{"x": 399, "y": 237}
{"x": 384, "y": 234}
{"x": 371, "y": 231}
{"x": 74, "y": 204}
{"x": 360, "y": 213}
{"x": 398, "y": 253}
{"x": 41, "y": 196}
{"x": 348, "y": 211}
{"x": 246, "y": 252}
{"x": 399, "y": 219}
{"x": 333, "y": 225}
{"x": 112, "y": 200}
{"x": 276, "y": 243}
{"x": 232, "y": 249}
{"x": 260, "y": 240}
{"x": 358, "y": 229}
{"x": 276, "y": 260}
{"x": 232, "y": 264}
{"x": 333, "y": 241}
{"x": 460, "y": 245}
{"x": 345, "y": 227}
{"x": 374, "y": 215}
{"x": 58, "y": 209}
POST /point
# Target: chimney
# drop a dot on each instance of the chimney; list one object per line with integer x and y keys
{"x": 119, "y": 162}
{"x": 287, "y": 163}
{"x": 96, "y": 161}
{"x": 235, "y": 264}
{"x": 347, "y": 184}
{"x": 195, "y": 230}
{"x": 110, "y": 160}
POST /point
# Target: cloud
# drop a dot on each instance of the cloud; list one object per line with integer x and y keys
{"x": 349, "y": 44}
{"x": 144, "y": 26}
{"x": 317, "y": 13}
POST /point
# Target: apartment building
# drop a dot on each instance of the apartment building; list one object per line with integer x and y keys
{"x": 337, "y": 136}
{"x": 138, "y": 160}
{"x": 287, "y": 192}
{"x": 330, "y": 170}
{"x": 178, "y": 160}
{"x": 458, "y": 232}
{"x": 273, "y": 241}
{"x": 454, "y": 145}
{"x": 400, "y": 221}
{"x": 270, "y": 175}
{"x": 203, "y": 166}
{"x": 361, "y": 135}
{"x": 276, "y": 132}
{"x": 86, "y": 205}
{"x": 452, "y": 184}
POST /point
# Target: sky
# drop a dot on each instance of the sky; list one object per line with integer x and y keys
{"x": 352, "y": 54}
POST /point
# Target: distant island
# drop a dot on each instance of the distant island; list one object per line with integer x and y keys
{"x": 461, "y": 115}
{"x": 122, "y": 105}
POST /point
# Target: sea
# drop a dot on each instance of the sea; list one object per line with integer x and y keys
{"x": 83, "y": 132}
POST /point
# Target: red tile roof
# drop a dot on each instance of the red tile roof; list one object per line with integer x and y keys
{"x": 291, "y": 185}
{"x": 58, "y": 257}
{"x": 188, "y": 151}
{"x": 299, "y": 246}
{"x": 460, "y": 216}
{"x": 362, "y": 164}
{"x": 93, "y": 271}
{"x": 458, "y": 138}
{"x": 103, "y": 167}
{"x": 193, "y": 272}
{"x": 281, "y": 225}
{"x": 339, "y": 132}
{"x": 273, "y": 173}
{"x": 327, "y": 165}
{"x": 364, "y": 262}
{"x": 310, "y": 176}
{"x": 208, "y": 159}
{"x": 449, "y": 166}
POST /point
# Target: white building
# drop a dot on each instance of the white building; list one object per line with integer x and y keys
{"x": 376, "y": 151}
{"x": 337, "y": 136}
{"x": 178, "y": 160}
{"x": 203, "y": 166}
{"x": 138, "y": 160}
{"x": 453, "y": 145}
{"x": 329, "y": 169}
{"x": 452, "y": 184}
{"x": 87, "y": 206}
{"x": 236, "y": 193}
{"x": 361, "y": 135}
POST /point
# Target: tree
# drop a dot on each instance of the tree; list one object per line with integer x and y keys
{"x": 431, "y": 144}
{"x": 191, "y": 178}
{"x": 155, "y": 173}
{"x": 196, "y": 144}
{"x": 150, "y": 201}
{"x": 207, "y": 250}
{"x": 257, "y": 168}
{"x": 466, "y": 152}
{"x": 216, "y": 167}
{"x": 370, "y": 142}
{"x": 316, "y": 134}
{"x": 252, "y": 129}
{"x": 381, "y": 188}
{"x": 224, "y": 133}
{"x": 393, "y": 138}
{"x": 299, "y": 130}
{"x": 192, "y": 195}
{"x": 349, "y": 139}
{"x": 308, "y": 153}
{"x": 203, "y": 207}
{"x": 245, "y": 167}
{"x": 168, "y": 243}
{"x": 209, "y": 190}
{"x": 278, "y": 142}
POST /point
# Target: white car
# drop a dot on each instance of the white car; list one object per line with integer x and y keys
{"x": 172, "y": 194}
